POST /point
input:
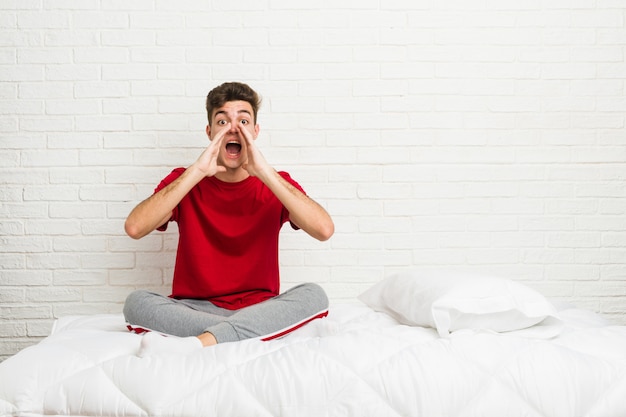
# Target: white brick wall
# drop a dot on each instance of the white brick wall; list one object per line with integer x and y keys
{"x": 484, "y": 135}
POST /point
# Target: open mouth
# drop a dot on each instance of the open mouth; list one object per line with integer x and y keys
{"x": 233, "y": 148}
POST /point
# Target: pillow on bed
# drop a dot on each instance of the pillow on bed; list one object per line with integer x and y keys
{"x": 453, "y": 301}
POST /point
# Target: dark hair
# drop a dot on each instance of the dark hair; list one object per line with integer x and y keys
{"x": 232, "y": 91}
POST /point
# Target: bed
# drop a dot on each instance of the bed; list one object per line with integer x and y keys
{"x": 412, "y": 345}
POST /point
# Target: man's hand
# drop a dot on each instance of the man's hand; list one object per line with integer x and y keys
{"x": 207, "y": 162}
{"x": 256, "y": 165}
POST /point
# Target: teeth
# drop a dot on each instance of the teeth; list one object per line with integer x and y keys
{"x": 233, "y": 147}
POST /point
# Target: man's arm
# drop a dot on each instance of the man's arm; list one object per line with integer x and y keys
{"x": 304, "y": 212}
{"x": 157, "y": 209}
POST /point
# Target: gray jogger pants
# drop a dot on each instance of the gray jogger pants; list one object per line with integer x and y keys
{"x": 192, "y": 317}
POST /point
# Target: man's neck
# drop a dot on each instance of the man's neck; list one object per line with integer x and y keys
{"x": 236, "y": 175}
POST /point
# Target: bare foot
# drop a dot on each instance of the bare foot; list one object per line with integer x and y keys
{"x": 207, "y": 339}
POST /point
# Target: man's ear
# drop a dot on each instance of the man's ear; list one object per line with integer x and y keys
{"x": 208, "y": 131}
{"x": 257, "y": 128}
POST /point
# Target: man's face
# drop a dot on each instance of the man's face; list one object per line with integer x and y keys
{"x": 233, "y": 150}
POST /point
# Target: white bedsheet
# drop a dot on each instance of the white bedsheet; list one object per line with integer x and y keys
{"x": 356, "y": 362}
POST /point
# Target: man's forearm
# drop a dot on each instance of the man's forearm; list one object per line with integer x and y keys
{"x": 157, "y": 209}
{"x": 303, "y": 211}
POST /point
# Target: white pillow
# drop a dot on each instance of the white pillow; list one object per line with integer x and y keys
{"x": 455, "y": 301}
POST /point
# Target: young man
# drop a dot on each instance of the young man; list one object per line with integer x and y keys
{"x": 230, "y": 205}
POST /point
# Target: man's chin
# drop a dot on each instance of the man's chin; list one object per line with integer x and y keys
{"x": 229, "y": 162}
{"x": 232, "y": 165}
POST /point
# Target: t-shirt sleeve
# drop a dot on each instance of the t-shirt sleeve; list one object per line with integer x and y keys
{"x": 164, "y": 183}
{"x": 285, "y": 214}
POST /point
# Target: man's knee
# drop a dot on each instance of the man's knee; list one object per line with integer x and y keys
{"x": 315, "y": 295}
{"x": 134, "y": 304}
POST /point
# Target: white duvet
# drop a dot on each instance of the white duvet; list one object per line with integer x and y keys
{"x": 355, "y": 362}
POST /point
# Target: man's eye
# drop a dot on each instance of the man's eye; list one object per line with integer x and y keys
{"x": 244, "y": 122}
{"x": 221, "y": 122}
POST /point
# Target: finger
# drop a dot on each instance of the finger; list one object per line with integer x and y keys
{"x": 219, "y": 137}
{"x": 245, "y": 134}
{"x": 243, "y": 139}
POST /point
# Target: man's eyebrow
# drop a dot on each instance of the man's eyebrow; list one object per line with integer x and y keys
{"x": 238, "y": 112}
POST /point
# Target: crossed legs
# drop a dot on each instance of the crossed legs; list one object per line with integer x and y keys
{"x": 204, "y": 322}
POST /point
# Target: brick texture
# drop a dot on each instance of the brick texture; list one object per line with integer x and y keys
{"x": 484, "y": 136}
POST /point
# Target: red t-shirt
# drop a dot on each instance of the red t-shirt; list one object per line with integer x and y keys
{"x": 228, "y": 241}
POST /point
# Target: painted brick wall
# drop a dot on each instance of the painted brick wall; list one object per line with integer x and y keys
{"x": 486, "y": 135}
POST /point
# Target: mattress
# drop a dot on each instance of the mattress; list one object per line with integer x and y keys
{"x": 355, "y": 362}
